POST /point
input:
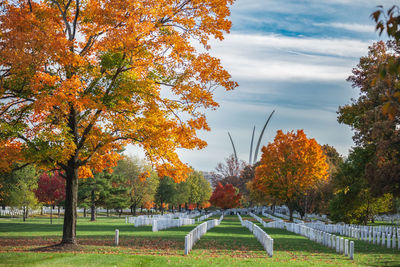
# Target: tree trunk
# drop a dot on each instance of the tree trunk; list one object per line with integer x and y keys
{"x": 134, "y": 209}
{"x": 93, "y": 208}
{"x": 141, "y": 209}
{"x": 71, "y": 201}
{"x": 84, "y": 212}
{"x": 108, "y": 212}
{"x": 291, "y": 214}
{"x": 23, "y": 213}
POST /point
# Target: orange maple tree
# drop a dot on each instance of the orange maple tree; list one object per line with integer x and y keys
{"x": 289, "y": 166}
{"x": 225, "y": 196}
{"x": 81, "y": 79}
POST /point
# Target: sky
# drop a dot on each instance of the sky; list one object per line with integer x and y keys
{"x": 291, "y": 56}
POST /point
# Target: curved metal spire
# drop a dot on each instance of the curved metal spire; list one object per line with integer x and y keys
{"x": 261, "y": 135}
{"x": 251, "y": 145}
{"x": 233, "y": 145}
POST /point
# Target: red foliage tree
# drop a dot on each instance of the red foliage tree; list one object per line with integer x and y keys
{"x": 50, "y": 190}
{"x": 225, "y": 197}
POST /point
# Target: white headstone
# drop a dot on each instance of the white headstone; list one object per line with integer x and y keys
{"x": 351, "y": 250}
{"x": 116, "y": 239}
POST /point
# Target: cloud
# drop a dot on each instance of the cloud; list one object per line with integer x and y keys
{"x": 363, "y": 28}
{"x": 281, "y": 58}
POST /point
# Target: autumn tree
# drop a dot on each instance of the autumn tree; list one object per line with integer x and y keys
{"x": 79, "y": 80}
{"x": 388, "y": 68}
{"x": 50, "y": 190}
{"x": 290, "y": 166}
{"x": 317, "y": 199}
{"x": 367, "y": 116}
{"x": 225, "y": 197}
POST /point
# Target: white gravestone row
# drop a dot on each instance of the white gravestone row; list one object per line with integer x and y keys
{"x": 258, "y": 219}
{"x": 321, "y": 237}
{"x": 162, "y": 224}
{"x": 204, "y": 217}
{"x": 262, "y": 237}
{"x": 286, "y": 217}
{"x": 193, "y": 236}
{"x": 143, "y": 220}
{"x": 269, "y": 216}
{"x": 381, "y": 235}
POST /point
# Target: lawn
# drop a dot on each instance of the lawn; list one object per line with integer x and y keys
{"x": 229, "y": 244}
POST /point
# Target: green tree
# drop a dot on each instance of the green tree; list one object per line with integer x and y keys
{"x": 95, "y": 191}
{"x": 199, "y": 188}
{"x": 138, "y": 180}
{"x": 353, "y": 201}
{"x": 166, "y": 192}
{"x": 182, "y": 194}
{"x": 22, "y": 184}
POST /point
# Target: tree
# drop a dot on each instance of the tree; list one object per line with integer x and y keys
{"x": 95, "y": 191}
{"x": 166, "y": 192}
{"x": 136, "y": 178}
{"x": 182, "y": 194}
{"x": 199, "y": 188}
{"x": 389, "y": 67}
{"x": 80, "y": 80}
{"x": 50, "y": 190}
{"x": 227, "y": 171}
{"x": 317, "y": 199}
{"x": 367, "y": 116}
{"x": 22, "y": 193}
{"x": 290, "y": 166}
{"x": 225, "y": 197}
{"x": 353, "y": 201}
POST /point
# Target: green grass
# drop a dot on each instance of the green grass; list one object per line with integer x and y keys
{"x": 229, "y": 244}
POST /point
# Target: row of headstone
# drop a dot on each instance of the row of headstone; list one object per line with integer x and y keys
{"x": 202, "y": 218}
{"x": 324, "y": 238}
{"x": 19, "y": 212}
{"x": 388, "y": 217}
{"x": 257, "y": 218}
{"x": 272, "y": 217}
{"x": 162, "y": 224}
{"x": 144, "y": 220}
{"x": 266, "y": 241}
{"x": 188, "y": 215}
{"x": 381, "y": 235}
{"x": 193, "y": 236}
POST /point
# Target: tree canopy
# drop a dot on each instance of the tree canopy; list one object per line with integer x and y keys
{"x": 79, "y": 80}
{"x": 225, "y": 196}
{"x": 289, "y": 166}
